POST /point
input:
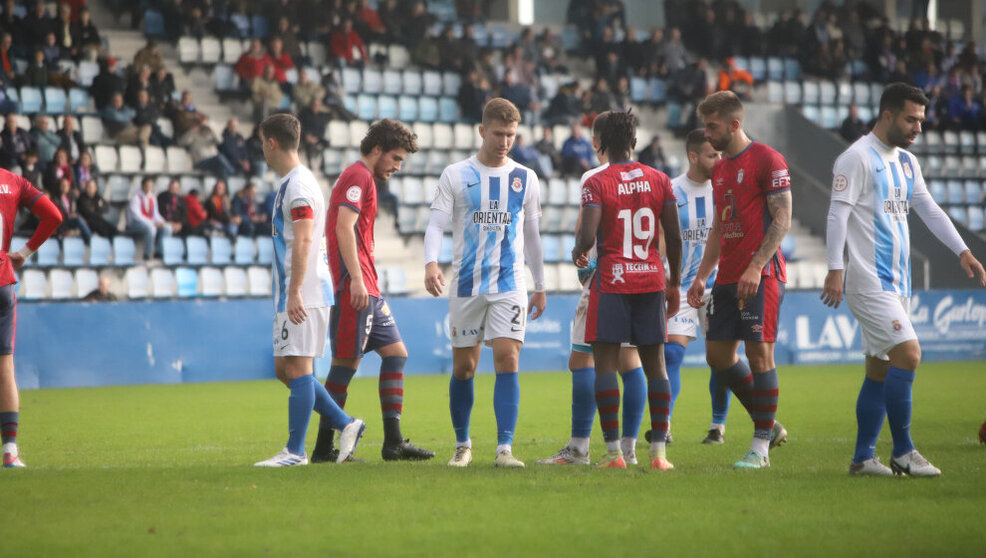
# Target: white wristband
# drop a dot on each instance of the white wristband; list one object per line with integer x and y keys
{"x": 25, "y": 252}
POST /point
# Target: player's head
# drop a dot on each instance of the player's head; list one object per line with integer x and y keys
{"x": 597, "y": 124}
{"x": 901, "y": 114}
{"x": 618, "y": 136}
{"x": 385, "y": 146}
{"x": 280, "y": 134}
{"x": 722, "y": 115}
{"x": 498, "y": 130}
{"x": 701, "y": 155}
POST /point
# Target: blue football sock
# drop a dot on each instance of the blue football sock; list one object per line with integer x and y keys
{"x": 634, "y": 401}
{"x": 870, "y": 411}
{"x": 460, "y": 395}
{"x": 506, "y": 405}
{"x": 674, "y": 355}
{"x": 897, "y": 394}
{"x": 721, "y": 397}
{"x": 300, "y": 405}
{"x": 583, "y": 401}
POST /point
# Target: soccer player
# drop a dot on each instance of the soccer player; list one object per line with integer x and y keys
{"x": 360, "y": 320}
{"x": 494, "y": 206}
{"x": 580, "y": 363}
{"x": 302, "y": 294}
{"x": 622, "y": 207}
{"x": 752, "y": 190}
{"x": 876, "y": 184}
{"x": 16, "y": 192}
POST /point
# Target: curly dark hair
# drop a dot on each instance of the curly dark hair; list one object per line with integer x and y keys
{"x": 618, "y": 135}
{"x": 389, "y": 134}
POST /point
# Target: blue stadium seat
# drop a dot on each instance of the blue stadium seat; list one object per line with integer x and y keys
{"x": 265, "y": 250}
{"x": 451, "y": 82}
{"x": 431, "y": 83}
{"x": 123, "y": 250}
{"x": 366, "y": 107}
{"x": 448, "y": 110}
{"x": 810, "y": 112}
{"x": 674, "y": 115}
{"x": 31, "y": 100}
{"x": 224, "y": 77}
{"x": 775, "y": 69}
{"x": 569, "y": 38}
{"x": 959, "y": 214}
{"x": 427, "y": 109}
{"x": 956, "y": 192}
{"x": 99, "y": 251}
{"x": 567, "y": 243}
{"x": 758, "y": 68}
{"x": 187, "y": 282}
{"x": 49, "y": 253}
{"x": 976, "y": 218}
{"x": 349, "y": 102}
{"x": 153, "y": 24}
{"x": 858, "y": 68}
{"x": 55, "y": 100}
{"x": 78, "y": 100}
{"x": 792, "y": 69}
{"x": 244, "y": 250}
{"x": 372, "y": 81}
{"x": 351, "y": 80}
{"x": 196, "y": 250}
{"x": 865, "y": 113}
{"x": 638, "y": 89}
{"x": 221, "y": 250}
{"x": 550, "y": 246}
{"x": 657, "y": 92}
{"x": 73, "y": 251}
{"x": 792, "y": 93}
{"x": 412, "y": 82}
{"x": 741, "y": 62}
{"x": 386, "y": 106}
{"x": 973, "y": 192}
{"x": 407, "y": 108}
{"x": 499, "y": 36}
{"x": 174, "y": 250}
{"x": 828, "y": 118}
{"x": 393, "y": 82}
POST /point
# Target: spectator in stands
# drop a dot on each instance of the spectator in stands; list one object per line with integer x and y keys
{"x": 85, "y": 170}
{"x": 391, "y": 19}
{"x": 102, "y": 292}
{"x": 566, "y": 106}
{"x": 85, "y": 37}
{"x": 11, "y": 25}
{"x": 65, "y": 200}
{"x": 600, "y": 100}
{"x": 427, "y": 54}
{"x": 266, "y": 95}
{"x": 234, "y": 147}
{"x": 415, "y": 28}
{"x": 140, "y": 80}
{"x": 203, "y": 146}
{"x": 521, "y": 95}
{"x": 146, "y": 116}
{"x": 346, "y": 45}
{"x": 149, "y": 56}
{"x": 467, "y": 48}
{"x": 335, "y": 99}
{"x": 852, "y": 127}
{"x": 734, "y": 79}
{"x": 368, "y": 23}
{"x": 8, "y": 72}
{"x": 252, "y": 63}
{"x": 144, "y": 219}
{"x": 280, "y": 60}
{"x": 253, "y": 222}
{"x": 37, "y": 24}
{"x": 58, "y": 169}
{"x": 472, "y": 97}
{"x": 183, "y": 114}
{"x": 197, "y": 215}
{"x": 45, "y": 138}
{"x": 70, "y": 139}
{"x": 653, "y": 155}
{"x": 118, "y": 121}
{"x": 53, "y": 53}
{"x": 92, "y": 208}
{"x": 750, "y": 38}
{"x": 449, "y": 55}
{"x": 964, "y": 110}
{"x": 527, "y": 155}
{"x": 305, "y": 91}
{"x": 31, "y": 168}
{"x": 171, "y": 204}
{"x": 106, "y": 83}
{"x": 288, "y": 35}
{"x": 550, "y": 157}
{"x": 674, "y": 53}
{"x": 577, "y": 153}
{"x": 162, "y": 87}
{"x": 217, "y": 207}
{"x": 314, "y": 121}
{"x": 255, "y": 148}
{"x": 14, "y": 143}
{"x": 36, "y": 74}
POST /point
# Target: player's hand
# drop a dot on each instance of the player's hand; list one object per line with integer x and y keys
{"x": 972, "y": 267}
{"x": 695, "y": 294}
{"x": 832, "y": 291}
{"x": 673, "y": 296}
{"x": 16, "y": 259}
{"x": 358, "y": 297}
{"x": 434, "y": 280}
{"x": 536, "y": 305}
{"x": 296, "y": 308}
{"x": 749, "y": 282}
{"x": 581, "y": 260}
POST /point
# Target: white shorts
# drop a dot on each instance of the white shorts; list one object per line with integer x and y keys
{"x": 304, "y": 339}
{"x": 884, "y": 319}
{"x": 688, "y": 321}
{"x": 578, "y": 325}
{"x": 487, "y": 317}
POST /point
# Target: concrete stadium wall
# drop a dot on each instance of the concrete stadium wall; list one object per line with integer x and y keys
{"x": 99, "y": 344}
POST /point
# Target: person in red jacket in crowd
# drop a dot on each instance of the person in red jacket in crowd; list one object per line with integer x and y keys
{"x": 280, "y": 59}
{"x": 252, "y": 63}
{"x": 348, "y": 45}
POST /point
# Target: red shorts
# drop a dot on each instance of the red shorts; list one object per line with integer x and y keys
{"x": 755, "y": 321}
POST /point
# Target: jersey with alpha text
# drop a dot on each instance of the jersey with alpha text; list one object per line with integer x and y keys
{"x": 632, "y": 197}
{"x": 741, "y": 185}
{"x": 357, "y": 190}
{"x": 300, "y": 197}
{"x": 489, "y": 206}
{"x": 696, "y": 210}
{"x": 15, "y": 192}
{"x": 879, "y": 183}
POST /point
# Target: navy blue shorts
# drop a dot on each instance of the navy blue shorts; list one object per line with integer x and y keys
{"x": 636, "y": 318}
{"x": 8, "y": 318}
{"x": 353, "y": 333}
{"x": 755, "y": 321}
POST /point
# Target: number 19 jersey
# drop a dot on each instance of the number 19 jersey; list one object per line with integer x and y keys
{"x": 632, "y": 197}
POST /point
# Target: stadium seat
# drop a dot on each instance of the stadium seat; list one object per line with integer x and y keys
{"x": 386, "y": 106}
{"x": 174, "y": 250}
{"x": 232, "y": 50}
{"x": 407, "y": 219}
{"x": 87, "y": 71}
{"x": 407, "y": 108}
{"x": 317, "y": 53}
{"x": 932, "y": 141}
{"x": 638, "y": 89}
{"x": 789, "y": 248}
{"x": 956, "y": 192}
{"x": 398, "y": 56}
{"x": 775, "y": 92}
{"x": 427, "y": 109}
{"x": 967, "y": 142}
{"x": 73, "y": 251}
{"x": 950, "y": 142}
{"x": 236, "y": 281}
{"x": 211, "y": 50}
{"x": 123, "y": 251}
{"x": 154, "y": 160}
{"x": 876, "y": 91}
{"x": 31, "y": 100}
{"x": 938, "y": 190}
{"x": 775, "y": 69}
{"x": 357, "y": 130}
{"x": 49, "y": 253}
{"x": 448, "y": 110}
{"x": 337, "y": 133}
{"x": 437, "y": 161}
{"x": 244, "y": 250}
{"x": 34, "y": 284}
{"x": 959, "y": 214}
{"x": 809, "y": 92}
{"x": 792, "y": 69}
{"x": 952, "y": 166}
{"x": 973, "y": 192}
{"x": 86, "y": 281}
{"x": 265, "y": 250}
{"x": 811, "y": 113}
{"x": 758, "y": 68}
{"x": 153, "y": 23}
{"x": 463, "y": 135}
{"x": 865, "y": 113}
{"x": 351, "y": 80}
{"x": 828, "y": 118}
{"x": 196, "y": 250}
{"x": 79, "y": 100}
{"x": 62, "y": 282}
{"x": 372, "y": 82}
{"x": 258, "y": 279}
{"x": 99, "y": 251}
{"x": 792, "y": 93}
{"x": 178, "y": 161}
{"x": 451, "y": 82}
{"x": 551, "y": 248}
{"x": 393, "y": 82}
{"x": 224, "y": 78}
{"x": 567, "y": 244}
{"x": 221, "y": 250}
{"x": 130, "y": 159}
{"x": 242, "y": 24}
{"x": 106, "y": 158}
{"x": 656, "y": 90}
{"x": 431, "y": 83}
{"x": 443, "y": 136}
{"x": 55, "y": 100}
{"x": 674, "y": 116}
{"x": 137, "y": 281}
{"x": 92, "y": 133}
{"x": 187, "y": 282}
{"x": 412, "y": 82}
{"x": 188, "y": 50}
{"x": 211, "y": 280}
{"x": 413, "y": 191}
{"x": 976, "y": 218}
{"x": 826, "y": 93}
{"x": 259, "y": 26}
{"x": 163, "y": 283}
{"x": 366, "y": 107}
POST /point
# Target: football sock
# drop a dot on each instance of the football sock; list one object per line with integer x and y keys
{"x": 608, "y": 401}
{"x": 330, "y": 411}
{"x": 392, "y": 397}
{"x": 583, "y": 401}
{"x": 739, "y": 380}
{"x": 720, "y": 396}
{"x": 765, "y": 394}
{"x": 659, "y": 397}
{"x": 581, "y": 444}
{"x": 634, "y": 401}
{"x": 870, "y": 412}
{"x": 506, "y": 405}
{"x": 337, "y": 385}
{"x": 897, "y": 394}
{"x": 8, "y": 425}
{"x": 460, "y": 395}
{"x": 300, "y": 405}
{"x": 674, "y": 354}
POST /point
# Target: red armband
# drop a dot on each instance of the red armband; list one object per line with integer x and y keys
{"x": 303, "y": 212}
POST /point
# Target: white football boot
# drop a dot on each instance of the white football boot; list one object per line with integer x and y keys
{"x": 284, "y": 458}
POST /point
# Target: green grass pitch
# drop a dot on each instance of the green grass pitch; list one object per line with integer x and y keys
{"x": 166, "y": 471}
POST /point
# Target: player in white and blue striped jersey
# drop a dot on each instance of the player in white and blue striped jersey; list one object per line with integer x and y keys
{"x": 876, "y": 183}
{"x": 494, "y": 207}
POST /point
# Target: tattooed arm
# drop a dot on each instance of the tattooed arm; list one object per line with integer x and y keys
{"x": 779, "y": 206}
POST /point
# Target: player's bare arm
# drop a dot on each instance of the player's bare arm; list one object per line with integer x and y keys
{"x": 346, "y": 236}
{"x": 973, "y": 268}
{"x": 585, "y": 235}
{"x": 303, "y": 229}
{"x": 672, "y": 245}
{"x": 710, "y": 260}
{"x": 779, "y": 207}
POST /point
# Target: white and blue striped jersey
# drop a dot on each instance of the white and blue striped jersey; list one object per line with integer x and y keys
{"x": 488, "y": 207}
{"x": 696, "y": 210}
{"x": 297, "y": 191}
{"x": 880, "y": 183}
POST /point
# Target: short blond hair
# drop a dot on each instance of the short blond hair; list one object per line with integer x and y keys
{"x": 722, "y": 103}
{"x": 500, "y": 110}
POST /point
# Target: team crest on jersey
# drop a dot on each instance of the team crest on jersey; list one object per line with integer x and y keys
{"x": 907, "y": 170}
{"x": 618, "y": 274}
{"x": 517, "y": 185}
{"x": 353, "y": 193}
{"x": 896, "y": 325}
{"x": 840, "y": 183}
{"x": 739, "y": 177}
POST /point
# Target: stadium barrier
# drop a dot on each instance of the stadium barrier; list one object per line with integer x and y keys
{"x": 100, "y": 344}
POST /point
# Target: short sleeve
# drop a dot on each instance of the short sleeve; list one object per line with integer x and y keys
{"x": 532, "y": 198}
{"x": 666, "y": 189}
{"x": 356, "y": 191}
{"x": 778, "y": 177}
{"x": 591, "y": 192}
{"x": 849, "y": 178}
{"x": 28, "y": 193}
{"x": 301, "y": 205}
{"x": 444, "y": 200}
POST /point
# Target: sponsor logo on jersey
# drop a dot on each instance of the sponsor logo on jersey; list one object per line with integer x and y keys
{"x": 353, "y": 193}
{"x": 4, "y": 188}
{"x": 494, "y": 219}
{"x": 739, "y": 177}
{"x": 587, "y": 196}
{"x": 780, "y": 179}
{"x": 628, "y": 176}
{"x": 633, "y": 187}
{"x": 618, "y": 274}
{"x": 695, "y": 235}
{"x": 896, "y": 207}
{"x": 732, "y": 230}
{"x": 840, "y": 183}
{"x": 517, "y": 185}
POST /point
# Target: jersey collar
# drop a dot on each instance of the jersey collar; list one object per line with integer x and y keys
{"x": 740, "y": 154}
